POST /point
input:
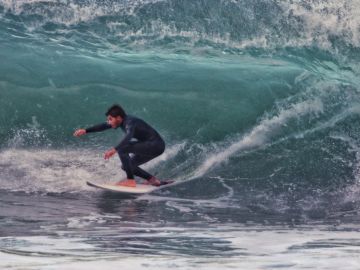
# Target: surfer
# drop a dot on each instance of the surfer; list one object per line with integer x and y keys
{"x": 140, "y": 140}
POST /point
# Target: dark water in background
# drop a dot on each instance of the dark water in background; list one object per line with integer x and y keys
{"x": 258, "y": 102}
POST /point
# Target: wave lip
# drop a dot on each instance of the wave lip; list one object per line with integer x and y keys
{"x": 188, "y": 25}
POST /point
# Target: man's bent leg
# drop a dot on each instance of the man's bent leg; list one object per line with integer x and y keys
{"x": 138, "y": 160}
{"x": 126, "y": 165}
{"x": 143, "y": 152}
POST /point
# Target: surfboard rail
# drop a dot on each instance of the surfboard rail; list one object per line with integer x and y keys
{"x": 138, "y": 190}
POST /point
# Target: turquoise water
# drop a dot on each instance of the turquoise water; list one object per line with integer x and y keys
{"x": 258, "y": 102}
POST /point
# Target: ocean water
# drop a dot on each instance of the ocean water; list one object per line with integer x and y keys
{"x": 259, "y": 105}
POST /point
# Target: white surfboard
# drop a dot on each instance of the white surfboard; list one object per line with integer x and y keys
{"x": 138, "y": 190}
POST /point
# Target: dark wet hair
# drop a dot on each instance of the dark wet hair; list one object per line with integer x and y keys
{"x": 116, "y": 110}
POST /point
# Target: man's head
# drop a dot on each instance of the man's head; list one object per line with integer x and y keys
{"x": 115, "y": 115}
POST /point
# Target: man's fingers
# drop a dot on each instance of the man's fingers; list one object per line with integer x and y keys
{"x": 79, "y": 132}
{"x": 108, "y": 154}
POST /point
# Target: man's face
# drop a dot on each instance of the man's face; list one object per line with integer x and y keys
{"x": 114, "y": 122}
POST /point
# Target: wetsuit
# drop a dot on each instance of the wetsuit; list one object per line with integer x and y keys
{"x": 141, "y": 140}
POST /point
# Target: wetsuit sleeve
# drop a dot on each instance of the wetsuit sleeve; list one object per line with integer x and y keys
{"x": 97, "y": 128}
{"x": 129, "y": 129}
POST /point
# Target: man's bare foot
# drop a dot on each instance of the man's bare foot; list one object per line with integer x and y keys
{"x": 126, "y": 183}
{"x": 153, "y": 181}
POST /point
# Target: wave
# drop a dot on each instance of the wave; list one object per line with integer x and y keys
{"x": 218, "y": 116}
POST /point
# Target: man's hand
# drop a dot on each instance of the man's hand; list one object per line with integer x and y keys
{"x": 109, "y": 153}
{"x": 79, "y": 132}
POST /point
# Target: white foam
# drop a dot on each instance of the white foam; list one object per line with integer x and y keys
{"x": 62, "y": 170}
{"x": 322, "y": 19}
{"x": 258, "y": 247}
{"x": 90, "y": 220}
{"x": 71, "y": 12}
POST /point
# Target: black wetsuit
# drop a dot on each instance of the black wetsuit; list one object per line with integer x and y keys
{"x": 141, "y": 140}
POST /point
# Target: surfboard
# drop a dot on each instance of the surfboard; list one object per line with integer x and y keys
{"x": 138, "y": 190}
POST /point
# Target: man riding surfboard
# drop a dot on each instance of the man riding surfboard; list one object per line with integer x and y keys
{"x": 141, "y": 140}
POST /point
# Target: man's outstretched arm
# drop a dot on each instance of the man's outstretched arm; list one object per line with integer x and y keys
{"x": 96, "y": 128}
